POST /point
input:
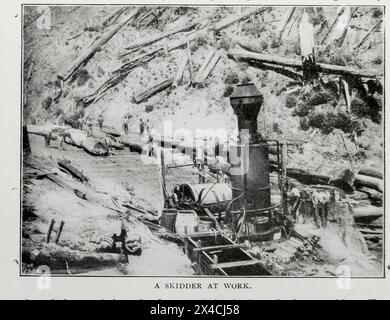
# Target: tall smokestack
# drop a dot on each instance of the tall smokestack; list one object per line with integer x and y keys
{"x": 250, "y": 172}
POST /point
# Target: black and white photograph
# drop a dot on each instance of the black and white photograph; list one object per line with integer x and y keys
{"x": 190, "y": 141}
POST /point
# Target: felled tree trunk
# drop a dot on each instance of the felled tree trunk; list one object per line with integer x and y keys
{"x": 90, "y": 144}
{"x": 133, "y": 143}
{"x": 293, "y": 63}
{"x": 369, "y": 182}
{"x": 229, "y": 21}
{"x": 61, "y": 258}
{"x": 142, "y": 96}
{"x": 287, "y": 18}
{"x": 371, "y": 172}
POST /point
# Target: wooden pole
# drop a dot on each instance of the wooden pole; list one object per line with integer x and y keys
{"x": 190, "y": 61}
{"x": 163, "y": 171}
{"x": 346, "y": 94}
{"x": 284, "y": 177}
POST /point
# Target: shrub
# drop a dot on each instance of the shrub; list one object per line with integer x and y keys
{"x": 377, "y": 13}
{"x": 318, "y": 97}
{"x": 246, "y": 79}
{"x": 368, "y": 109}
{"x": 291, "y": 101}
{"x": 225, "y": 43}
{"x": 302, "y": 110}
{"x": 254, "y": 29}
{"x": 149, "y": 108}
{"x": 304, "y": 123}
{"x": 200, "y": 41}
{"x": 276, "y": 128}
{"x": 228, "y": 91}
{"x": 327, "y": 121}
{"x": 231, "y": 77}
{"x": 82, "y": 76}
{"x": 263, "y": 45}
{"x": 378, "y": 60}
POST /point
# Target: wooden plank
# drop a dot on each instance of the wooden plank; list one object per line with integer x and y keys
{"x": 235, "y": 264}
{"x": 222, "y": 247}
{"x": 204, "y": 234}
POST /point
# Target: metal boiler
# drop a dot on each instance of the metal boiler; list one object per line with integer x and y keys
{"x": 250, "y": 172}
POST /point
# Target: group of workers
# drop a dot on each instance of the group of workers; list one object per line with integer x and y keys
{"x": 89, "y": 123}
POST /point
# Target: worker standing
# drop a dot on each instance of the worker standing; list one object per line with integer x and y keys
{"x": 81, "y": 123}
{"x": 100, "y": 121}
{"x": 141, "y": 127}
{"x": 126, "y": 124}
{"x": 89, "y": 127}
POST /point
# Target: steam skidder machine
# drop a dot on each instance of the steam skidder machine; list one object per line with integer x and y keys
{"x": 221, "y": 220}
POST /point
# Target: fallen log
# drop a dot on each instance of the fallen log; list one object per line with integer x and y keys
{"x": 71, "y": 169}
{"x": 132, "y": 143}
{"x": 203, "y": 66}
{"x": 340, "y": 27}
{"x": 366, "y": 36}
{"x": 144, "y": 43}
{"x": 287, "y": 72}
{"x": 229, "y": 21}
{"x": 109, "y": 140}
{"x": 287, "y": 18}
{"x": 297, "y": 64}
{"x": 43, "y": 130}
{"x": 91, "y": 145}
{"x": 180, "y": 71}
{"x": 369, "y": 182}
{"x": 307, "y": 177}
{"x": 142, "y": 96}
{"x": 371, "y": 172}
{"x": 209, "y": 68}
{"x": 90, "y": 51}
{"x": 114, "y": 16}
{"x": 331, "y": 29}
{"x": 59, "y": 258}
{"x": 53, "y": 178}
{"x": 367, "y": 212}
